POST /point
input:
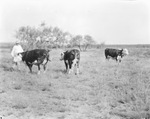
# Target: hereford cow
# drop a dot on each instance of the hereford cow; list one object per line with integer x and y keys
{"x": 35, "y": 57}
{"x": 71, "y": 59}
{"x": 116, "y": 54}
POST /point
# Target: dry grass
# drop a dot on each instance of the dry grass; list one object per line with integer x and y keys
{"x": 103, "y": 90}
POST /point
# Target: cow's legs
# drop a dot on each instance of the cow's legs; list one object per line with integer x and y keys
{"x": 66, "y": 64}
{"x": 77, "y": 66}
{"x": 44, "y": 67}
{"x": 70, "y": 65}
{"x": 107, "y": 58}
{"x": 39, "y": 69}
{"x": 30, "y": 67}
{"x": 74, "y": 64}
{"x": 118, "y": 59}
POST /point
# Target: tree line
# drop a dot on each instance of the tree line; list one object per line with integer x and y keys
{"x": 51, "y": 37}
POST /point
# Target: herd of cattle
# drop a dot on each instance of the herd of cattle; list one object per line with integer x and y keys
{"x": 71, "y": 58}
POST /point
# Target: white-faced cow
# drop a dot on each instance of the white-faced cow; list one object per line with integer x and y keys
{"x": 116, "y": 54}
{"x": 71, "y": 59}
{"x": 35, "y": 57}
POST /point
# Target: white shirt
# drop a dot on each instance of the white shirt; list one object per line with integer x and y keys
{"x": 16, "y": 49}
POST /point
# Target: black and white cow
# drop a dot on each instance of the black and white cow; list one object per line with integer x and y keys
{"x": 35, "y": 57}
{"x": 71, "y": 59}
{"x": 116, "y": 54}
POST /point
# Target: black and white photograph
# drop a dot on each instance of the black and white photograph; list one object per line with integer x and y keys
{"x": 75, "y": 59}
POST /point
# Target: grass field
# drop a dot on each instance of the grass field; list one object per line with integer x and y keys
{"x": 102, "y": 90}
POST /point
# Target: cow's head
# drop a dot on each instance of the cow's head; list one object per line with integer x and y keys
{"x": 125, "y": 52}
{"x": 62, "y": 55}
{"x": 21, "y": 55}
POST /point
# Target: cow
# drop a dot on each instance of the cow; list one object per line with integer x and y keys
{"x": 71, "y": 59}
{"x": 116, "y": 54}
{"x": 35, "y": 57}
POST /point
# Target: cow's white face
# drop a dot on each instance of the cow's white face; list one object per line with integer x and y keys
{"x": 20, "y": 55}
{"x": 125, "y": 52}
{"x": 62, "y": 56}
{"x": 18, "y": 58}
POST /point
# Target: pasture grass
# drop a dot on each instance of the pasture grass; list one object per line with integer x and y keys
{"x": 103, "y": 89}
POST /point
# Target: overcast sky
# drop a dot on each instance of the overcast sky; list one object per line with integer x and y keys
{"x": 109, "y": 21}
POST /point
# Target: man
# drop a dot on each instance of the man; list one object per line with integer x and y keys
{"x": 14, "y": 53}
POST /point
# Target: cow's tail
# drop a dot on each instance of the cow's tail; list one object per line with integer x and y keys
{"x": 48, "y": 57}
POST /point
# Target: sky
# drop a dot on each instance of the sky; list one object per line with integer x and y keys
{"x": 109, "y": 21}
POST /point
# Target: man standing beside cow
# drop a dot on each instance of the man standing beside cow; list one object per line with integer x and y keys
{"x": 71, "y": 57}
{"x": 33, "y": 57}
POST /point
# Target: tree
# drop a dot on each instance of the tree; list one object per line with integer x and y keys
{"x": 76, "y": 41}
{"x": 88, "y": 40}
{"x": 101, "y": 45}
{"x": 45, "y": 36}
{"x": 67, "y": 37}
{"x": 58, "y": 35}
{"x": 27, "y": 35}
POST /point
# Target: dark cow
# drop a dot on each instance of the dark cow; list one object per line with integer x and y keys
{"x": 35, "y": 57}
{"x": 71, "y": 58}
{"x": 116, "y": 54}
